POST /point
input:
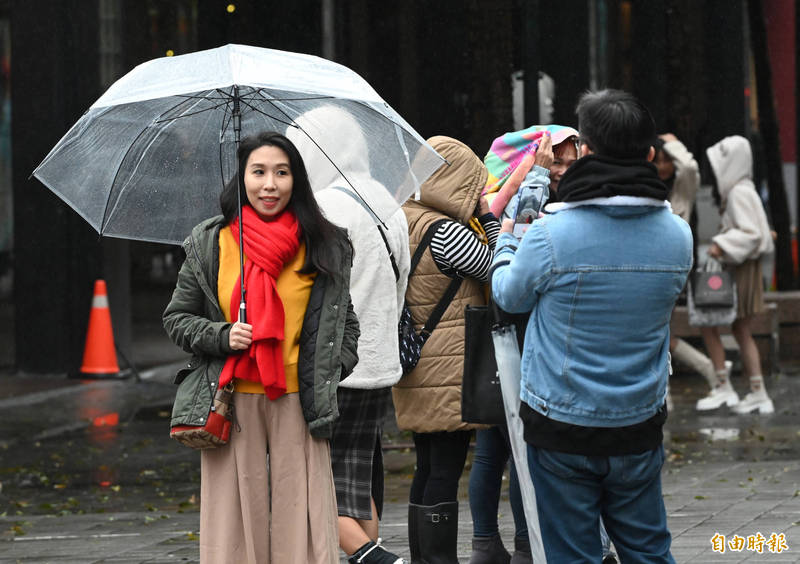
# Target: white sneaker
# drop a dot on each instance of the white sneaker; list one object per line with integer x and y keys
{"x": 724, "y": 394}
{"x": 755, "y": 400}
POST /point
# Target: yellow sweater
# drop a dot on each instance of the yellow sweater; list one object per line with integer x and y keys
{"x": 294, "y": 290}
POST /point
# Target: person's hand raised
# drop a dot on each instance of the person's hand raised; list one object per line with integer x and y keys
{"x": 241, "y": 336}
{"x": 544, "y": 154}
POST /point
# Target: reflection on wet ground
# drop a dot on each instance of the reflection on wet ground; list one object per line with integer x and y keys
{"x": 111, "y": 468}
{"x": 120, "y": 461}
{"x": 722, "y": 435}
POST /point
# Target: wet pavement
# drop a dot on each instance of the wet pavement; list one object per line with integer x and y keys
{"x": 89, "y": 474}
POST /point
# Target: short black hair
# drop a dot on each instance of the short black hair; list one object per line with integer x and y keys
{"x": 322, "y": 238}
{"x": 615, "y": 123}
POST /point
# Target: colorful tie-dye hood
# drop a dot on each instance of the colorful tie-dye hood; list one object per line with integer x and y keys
{"x": 509, "y": 149}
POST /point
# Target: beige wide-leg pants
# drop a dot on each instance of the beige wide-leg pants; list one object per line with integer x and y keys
{"x": 279, "y": 509}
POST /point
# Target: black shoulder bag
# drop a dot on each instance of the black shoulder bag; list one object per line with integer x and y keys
{"x": 481, "y": 396}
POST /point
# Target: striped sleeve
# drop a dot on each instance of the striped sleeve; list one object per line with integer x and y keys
{"x": 457, "y": 250}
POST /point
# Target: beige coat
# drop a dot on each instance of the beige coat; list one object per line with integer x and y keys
{"x": 745, "y": 232}
{"x": 429, "y": 398}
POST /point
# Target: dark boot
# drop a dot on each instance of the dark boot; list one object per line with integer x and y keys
{"x": 437, "y": 527}
{"x": 489, "y": 550}
{"x": 414, "y": 514}
{"x": 522, "y": 551}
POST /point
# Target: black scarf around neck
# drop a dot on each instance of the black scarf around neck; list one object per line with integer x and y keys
{"x": 598, "y": 176}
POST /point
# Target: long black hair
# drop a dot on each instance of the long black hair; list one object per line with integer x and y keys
{"x": 324, "y": 241}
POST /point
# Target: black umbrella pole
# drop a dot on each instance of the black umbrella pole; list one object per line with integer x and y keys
{"x": 242, "y": 306}
{"x": 237, "y": 133}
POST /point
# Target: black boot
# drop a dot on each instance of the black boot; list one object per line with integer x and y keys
{"x": 489, "y": 550}
{"x": 414, "y": 515}
{"x": 522, "y": 551}
{"x": 437, "y": 533}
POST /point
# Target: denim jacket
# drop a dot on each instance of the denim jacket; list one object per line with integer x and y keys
{"x": 600, "y": 282}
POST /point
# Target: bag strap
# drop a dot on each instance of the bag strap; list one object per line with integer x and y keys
{"x": 377, "y": 224}
{"x": 712, "y": 265}
{"x": 452, "y": 288}
{"x": 391, "y": 254}
{"x": 423, "y": 244}
{"x": 438, "y": 311}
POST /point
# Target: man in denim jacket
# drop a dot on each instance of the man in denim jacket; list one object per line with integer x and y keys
{"x": 599, "y": 276}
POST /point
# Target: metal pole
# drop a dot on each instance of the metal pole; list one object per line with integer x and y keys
{"x": 530, "y": 61}
{"x": 328, "y": 29}
{"x": 237, "y": 135}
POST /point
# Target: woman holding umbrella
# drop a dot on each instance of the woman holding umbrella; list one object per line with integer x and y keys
{"x": 285, "y": 362}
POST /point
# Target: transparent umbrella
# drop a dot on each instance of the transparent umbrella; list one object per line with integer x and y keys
{"x": 149, "y": 158}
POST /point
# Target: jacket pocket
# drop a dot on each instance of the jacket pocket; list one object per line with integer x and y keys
{"x": 194, "y": 395}
{"x": 181, "y": 374}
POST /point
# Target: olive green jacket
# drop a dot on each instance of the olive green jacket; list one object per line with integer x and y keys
{"x": 194, "y": 321}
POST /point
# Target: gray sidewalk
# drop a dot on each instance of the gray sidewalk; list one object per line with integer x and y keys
{"x": 725, "y": 474}
{"x": 702, "y": 500}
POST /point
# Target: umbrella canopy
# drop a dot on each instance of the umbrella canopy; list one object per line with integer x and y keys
{"x": 148, "y": 160}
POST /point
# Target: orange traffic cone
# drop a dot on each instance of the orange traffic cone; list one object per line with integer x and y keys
{"x": 99, "y": 355}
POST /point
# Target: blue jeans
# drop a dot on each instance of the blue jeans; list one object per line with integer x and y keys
{"x": 573, "y": 491}
{"x": 492, "y": 452}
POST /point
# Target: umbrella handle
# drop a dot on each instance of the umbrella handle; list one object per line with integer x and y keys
{"x": 242, "y": 312}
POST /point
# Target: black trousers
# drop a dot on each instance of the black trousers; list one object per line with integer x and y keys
{"x": 440, "y": 462}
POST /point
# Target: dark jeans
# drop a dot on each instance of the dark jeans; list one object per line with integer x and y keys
{"x": 492, "y": 452}
{"x": 574, "y": 491}
{"x": 440, "y": 462}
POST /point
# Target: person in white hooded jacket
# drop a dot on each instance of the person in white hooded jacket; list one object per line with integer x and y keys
{"x": 379, "y": 275}
{"x": 743, "y": 239}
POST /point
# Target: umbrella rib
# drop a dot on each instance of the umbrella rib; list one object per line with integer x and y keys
{"x": 161, "y": 119}
{"x": 298, "y": 99}
{"x": 194, "y": 97}
{"x": 222, "y": 101}
{"x": 223, "y": 95}
{"x": 263, "y": 113}
{"x": 166, "y": 119}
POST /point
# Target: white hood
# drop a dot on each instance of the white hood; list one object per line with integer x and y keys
{"x": 731, "y": 160}
{"x": 745, "y": 233}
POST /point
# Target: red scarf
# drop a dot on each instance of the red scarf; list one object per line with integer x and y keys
{"x": 269, "y": 245}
